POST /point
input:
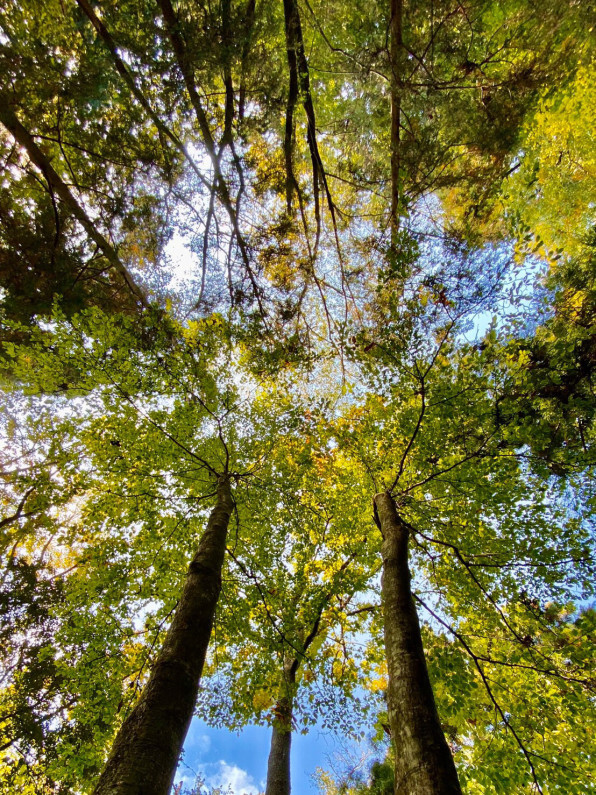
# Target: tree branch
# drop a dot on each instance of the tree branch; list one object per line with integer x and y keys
{"x": 9, "y": 119}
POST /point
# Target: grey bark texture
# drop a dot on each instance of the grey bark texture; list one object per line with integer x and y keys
{"x": 278, "y": 766}
{"x": 147, "y": 747}
{"x": 423, "y": 761}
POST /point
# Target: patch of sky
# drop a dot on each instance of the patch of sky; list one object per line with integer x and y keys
{"x": 237, "y": 763}
{"x": 491, "y": 286}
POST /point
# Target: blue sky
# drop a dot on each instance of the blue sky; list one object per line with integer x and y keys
{"x": 240, "y": 760}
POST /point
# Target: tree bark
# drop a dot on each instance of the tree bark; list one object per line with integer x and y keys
{"x": 146, "y": 749}
{"x": 423, "y": 761}
{"x": 278, "y": 766}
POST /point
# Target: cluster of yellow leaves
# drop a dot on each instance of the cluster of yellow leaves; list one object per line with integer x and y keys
{"x": 553, "y": 193}
{"x": 262, "y": 700}
{"x": 195, "y": 329}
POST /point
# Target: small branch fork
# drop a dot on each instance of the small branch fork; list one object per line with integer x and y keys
{"x": 20, "y": 511}
{"x": 173, "y": 27}
{"x": 468, "y": 567}
{"x": 422, "y": 376}
{"x": 326, "y": 597}
{"x": 299, "y": 86}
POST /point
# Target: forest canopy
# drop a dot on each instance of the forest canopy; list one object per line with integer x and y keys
{"x": 297, "y": 348}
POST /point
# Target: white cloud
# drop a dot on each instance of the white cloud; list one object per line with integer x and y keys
{"x": 197, "y": 743}
{"x": 196, "y": 746}
{"x": 234, "y": 779}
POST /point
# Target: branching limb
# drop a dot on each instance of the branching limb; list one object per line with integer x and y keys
{"x": 19, "y": 513}
{"x": 128, "y": 78}
{"x": 172, "y": 25}
{"x": 10, "y": 121}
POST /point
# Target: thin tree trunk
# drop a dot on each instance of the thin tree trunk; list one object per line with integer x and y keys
{"x": 278, "y": 766}
{"x": 146, "y": 749}
{"x": 423, "y": 761}
{"x": 247, "y": 34}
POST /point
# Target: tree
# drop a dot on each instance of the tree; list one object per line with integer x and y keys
{"x": 283, "y": 653}
{"x": 180, "y": 660}
{"x": 479, "y": 467}
{"x": 293, "y": 147}
{"x": 473, "y": 454}
{"x": 110, "y": 147}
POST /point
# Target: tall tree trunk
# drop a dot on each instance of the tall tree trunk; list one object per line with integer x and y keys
{"x": 146, "y": 749}
{"x": 423, "y": 761}
{"x": 278, "y": 766}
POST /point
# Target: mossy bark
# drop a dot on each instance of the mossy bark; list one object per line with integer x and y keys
{"x": 423, "y": 761}
{"x": 147, "y": 747}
